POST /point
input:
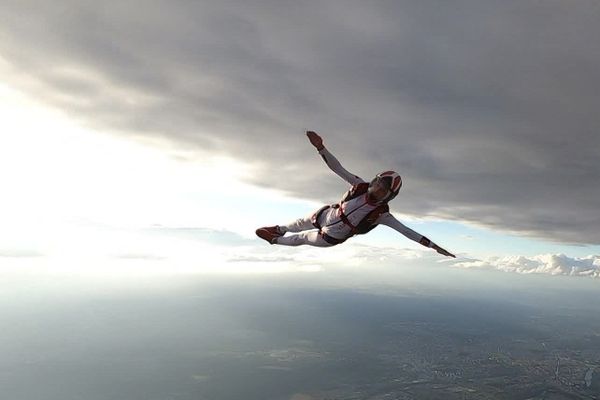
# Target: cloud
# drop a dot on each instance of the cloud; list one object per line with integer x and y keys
{"x": 202, "y": 234}
{"x": 20, "y": 253}
{"x": 389, "y": 254}
{"x": 264, "y": 258}
{"x": 488, "y": 109}
{"x": 553, "y": 264}
{"x": 139, "y": 256}
{"x": 301, "y": 396}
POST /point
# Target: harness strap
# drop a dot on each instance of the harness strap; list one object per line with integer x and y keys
{"x": 315, "y": 217}
{"x": 315, "y": 221}
{"x": 360, "y": 228}
{"x": 330, "y": 239}
{"x": 346, "y": 221}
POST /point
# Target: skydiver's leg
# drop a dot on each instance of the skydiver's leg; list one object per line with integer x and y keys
{"x": 299, "y": 225}
{"x": 302, "y": 224}
{"x": 270, "y": 233}
{"x": 311, "y": 238}
{"x": 304, "y": 232}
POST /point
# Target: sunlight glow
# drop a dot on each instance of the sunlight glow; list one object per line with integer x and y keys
{"x": 84, "y": 200}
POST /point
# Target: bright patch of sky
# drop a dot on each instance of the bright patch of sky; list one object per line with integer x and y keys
{"x": 79, "y": 200}
{"x": 480, "y": 242}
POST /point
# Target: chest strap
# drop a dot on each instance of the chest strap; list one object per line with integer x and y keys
{"x": 345, "y": 220}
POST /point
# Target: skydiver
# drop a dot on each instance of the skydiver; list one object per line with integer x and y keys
{"x": 362, "y": 208}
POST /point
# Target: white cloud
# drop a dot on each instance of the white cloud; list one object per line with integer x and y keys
{"x": 553, "y": 264}
{"x": 20, "y": 253}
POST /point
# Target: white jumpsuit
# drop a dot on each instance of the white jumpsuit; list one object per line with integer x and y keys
{"x": 330, "y": 221}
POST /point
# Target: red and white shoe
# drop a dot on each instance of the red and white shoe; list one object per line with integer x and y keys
{"x": 269, "y": 233}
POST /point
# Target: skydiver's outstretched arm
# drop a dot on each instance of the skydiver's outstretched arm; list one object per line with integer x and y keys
{"x": 331, "y": 161}
{"x": 389, "y": 220}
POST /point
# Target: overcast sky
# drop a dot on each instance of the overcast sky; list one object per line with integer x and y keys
{"x": 488, "y": 109}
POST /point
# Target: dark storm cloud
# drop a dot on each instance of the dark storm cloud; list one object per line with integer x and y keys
{"x": 488, "y": 109}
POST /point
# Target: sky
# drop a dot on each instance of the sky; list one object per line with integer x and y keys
{"x": 161, "y": 134}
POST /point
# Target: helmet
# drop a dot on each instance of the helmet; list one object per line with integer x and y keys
{"x": 393, "y": 180}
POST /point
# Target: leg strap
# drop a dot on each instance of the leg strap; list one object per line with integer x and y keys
{"x": 315, "y": 217}
{"x": 330, "y": 239}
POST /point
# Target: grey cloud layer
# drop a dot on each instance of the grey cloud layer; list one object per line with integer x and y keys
{"x": 488, "y": 109}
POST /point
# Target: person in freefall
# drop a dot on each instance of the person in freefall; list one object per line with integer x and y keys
{"x": 361, "y": 209}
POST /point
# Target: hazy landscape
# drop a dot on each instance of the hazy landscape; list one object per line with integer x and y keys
{"x": 394, "y": 334}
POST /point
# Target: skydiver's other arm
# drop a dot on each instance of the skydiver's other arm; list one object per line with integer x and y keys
{"x": 389, "y": 220}
{"x": 331, "y": 161}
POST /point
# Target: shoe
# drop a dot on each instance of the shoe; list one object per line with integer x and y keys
{"x": 269, "y": 233}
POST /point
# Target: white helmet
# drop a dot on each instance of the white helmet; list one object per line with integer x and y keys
{"x": 393, "y": 180}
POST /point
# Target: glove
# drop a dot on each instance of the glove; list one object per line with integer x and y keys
{"x": 315, "y": 140}
{"x": 442, "y": 251}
